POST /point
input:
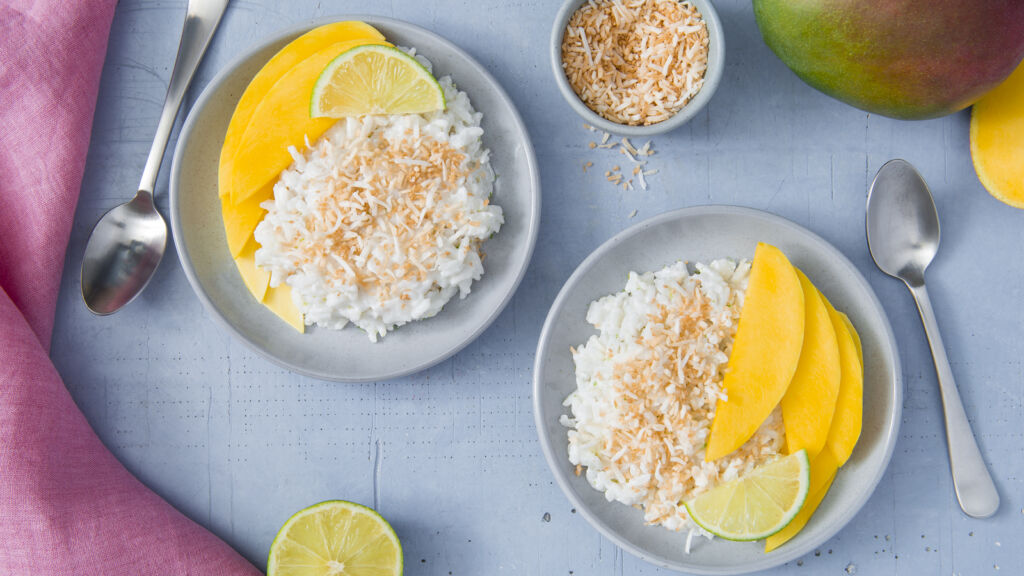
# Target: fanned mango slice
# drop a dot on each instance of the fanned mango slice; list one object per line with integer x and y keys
{"x": 282, "y": 120}
{"x": 256, "y": 279}
{"x": 823, "y": 472}
{"x": 810, "y": 400}
{"x": 997, "y": 140}
{"x": 240, "y": 220}
{"x": 846, "y": 423}
{"x": 279, "y": 300}
{"x": 295, "y": 52}
{"x": 765, "y": 352}
{"x": 842, "y": 435}
{"x": 856, "y": 338}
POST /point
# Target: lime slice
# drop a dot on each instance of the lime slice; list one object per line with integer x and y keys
{"x": 373, "y": 79}
{"x": 335, "y": 538}
{"x": 757, "y": 505}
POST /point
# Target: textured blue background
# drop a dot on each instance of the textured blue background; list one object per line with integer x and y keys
{"x": 450, "y": 455}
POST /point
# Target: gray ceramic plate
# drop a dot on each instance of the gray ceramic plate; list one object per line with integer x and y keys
{"x": 347, "y": 355}
{"x": 702, "y": 234}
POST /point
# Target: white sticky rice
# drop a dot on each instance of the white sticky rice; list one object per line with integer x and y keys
{"x": 380, "y": 221}
{"x": 647, "y": 385}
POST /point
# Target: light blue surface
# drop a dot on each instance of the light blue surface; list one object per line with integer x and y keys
{"x": 450, "y": 456}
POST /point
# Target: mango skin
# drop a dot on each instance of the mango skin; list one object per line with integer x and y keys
{"x": 908, "y": 59}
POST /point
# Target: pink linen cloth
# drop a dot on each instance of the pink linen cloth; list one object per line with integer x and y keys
{"x": 67, "y": 506}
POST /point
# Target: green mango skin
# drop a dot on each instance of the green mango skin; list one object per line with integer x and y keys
{"x": 908, "y": 59}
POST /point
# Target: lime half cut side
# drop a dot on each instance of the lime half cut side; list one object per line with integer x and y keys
{"x": 335, "y": 538}
{"x": 372, "y": 79}
{"x": 757, "y": 505}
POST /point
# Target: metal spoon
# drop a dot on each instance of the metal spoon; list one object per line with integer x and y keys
{"x": 128, "y": 242}
{"x": 903, "y": 236}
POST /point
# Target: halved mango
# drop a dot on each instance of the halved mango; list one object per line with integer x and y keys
{"x": 997, "y": 140}
{"x": 765, "y": 352}
{"x": 810, "y": 400}
{"x": 282, "y": 120}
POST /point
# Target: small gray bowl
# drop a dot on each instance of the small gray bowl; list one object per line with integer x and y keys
{"x": 712, "y": 77}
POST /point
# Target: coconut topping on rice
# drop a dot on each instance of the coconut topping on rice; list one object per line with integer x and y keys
{"x": 647, "y": 385}
{"x": 381, "y": 221}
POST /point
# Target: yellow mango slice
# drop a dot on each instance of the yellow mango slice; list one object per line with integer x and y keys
{"x": 856, "y": 338}
{"x": 295, "y": 52}
{"x": 240, "y": 220}
{"x": 997, "y": 140}
{"x": 279, "y": 300}
{"x": 765, "y": 352}
{"x": 256, "y": 279}
{"x": 282, "y": 120}
{"x": 849, "y": 414}
{"x": 823, "y": 472}
{"x": 810, "y": 400}
{"x": 845, "y": 429}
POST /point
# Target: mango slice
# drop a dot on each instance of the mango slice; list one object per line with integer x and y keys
{"x": 282, "y": 120}
{"x": 810, "y": 400}
{"x": 842, "y": 435}
{"x": 823, "y": 472}
{"x": 765, "y": 352}
{"x": 279, "y": 300}
{"x": 256, "y": 279}
{"x": 240, "y": 220}
{"x": 856, "y": 338}
{"x": 846, "y": 423}
{"x": 997, "y": 140}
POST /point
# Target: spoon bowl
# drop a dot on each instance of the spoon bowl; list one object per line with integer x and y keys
{"x": 122, "y": 253}
{"x": 903, "y": 225}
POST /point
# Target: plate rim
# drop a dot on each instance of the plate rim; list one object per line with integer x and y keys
{"x": 890, "y": 430}
{"x": 215, "y": 84}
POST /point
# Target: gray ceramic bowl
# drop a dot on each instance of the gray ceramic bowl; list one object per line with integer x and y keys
{"x": 712, "y": 77}
{"x": 701, "y": 234}
{"x": 347, "y": 355}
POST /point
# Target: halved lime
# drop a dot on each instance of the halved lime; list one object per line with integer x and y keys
{"x": 758, "y": 504}
{"x": 372, "y": 79}
{"x": 335, "y": 538}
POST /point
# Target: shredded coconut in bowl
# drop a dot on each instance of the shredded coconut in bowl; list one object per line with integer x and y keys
{"x": 635, "y": 62}
{"x": 647, "y": 385}
{"x": 380, "y": 222}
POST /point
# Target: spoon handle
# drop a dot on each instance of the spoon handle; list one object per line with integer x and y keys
{"x": 971, "y": 479}
{"x": 201, "y": 20}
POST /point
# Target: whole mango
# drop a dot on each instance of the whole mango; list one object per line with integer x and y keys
{"x": 910, "y": 59}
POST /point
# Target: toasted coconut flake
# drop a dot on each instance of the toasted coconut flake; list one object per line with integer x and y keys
{"x": 635, "y": 62}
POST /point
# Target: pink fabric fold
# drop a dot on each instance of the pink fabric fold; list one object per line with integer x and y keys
{"x": 67, "y": 506}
